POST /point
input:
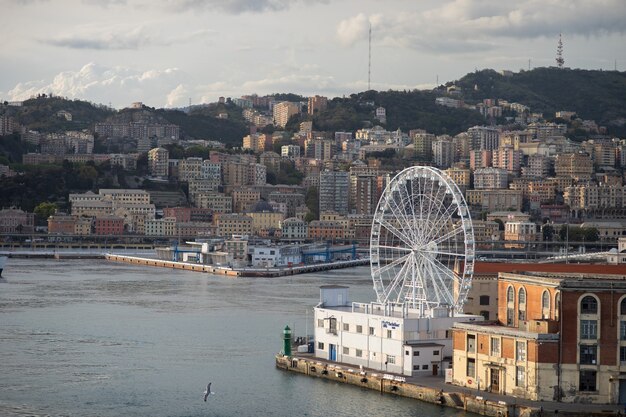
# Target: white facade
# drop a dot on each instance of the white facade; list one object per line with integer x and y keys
{"x": 273, "y": 256}
{"x": 391, "y": 338}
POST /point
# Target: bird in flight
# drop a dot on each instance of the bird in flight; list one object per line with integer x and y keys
{"x": 208, "y": 391}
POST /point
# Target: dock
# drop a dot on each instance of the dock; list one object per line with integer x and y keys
{"x": 236, "y": 272}
{"x": 434, "y": 390}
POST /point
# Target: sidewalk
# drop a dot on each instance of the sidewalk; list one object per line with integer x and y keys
{"x": 548, "y": 406}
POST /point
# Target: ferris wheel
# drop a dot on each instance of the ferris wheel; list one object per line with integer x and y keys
{"x": 422, "y": 242}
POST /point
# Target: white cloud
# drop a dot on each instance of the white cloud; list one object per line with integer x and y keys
{"x": 117, "y": 85}
{"x": 234, "y": 6}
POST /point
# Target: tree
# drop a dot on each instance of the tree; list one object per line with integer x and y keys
{"x": 312, "y": 202}
{"x": 45, "y": 210}
{"x": 548, "y": 232}
{"x": 500, "y": 224}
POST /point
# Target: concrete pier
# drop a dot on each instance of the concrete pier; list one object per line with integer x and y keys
{"x": 236, "y": 272}
{"x": 435, "y": 391}
{"x": 173, "y": 265}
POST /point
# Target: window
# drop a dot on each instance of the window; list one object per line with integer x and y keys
{"x": 424, "y": 367}
{"x": 332, "y": 325}
{"x": 622, "y": 330}
{"x": 407, "y": 353}
{"x": 391, "y": 359}
{"x": 484, "y": 300}
{"x": 588, "y": 305}
{"x": 589, "y": 329}
{"x": 358, "y": 353}
{"x": 320, "y": 345}
{"x": 346, "y": 351}
{"x": 416, "y": 367}
{"x": 520, "y": 348}
{"x": 388, "y": 334}
{"x": 521, "y": 304}
{"x": 545, "y": 305}
{"x": 359, "y": 328}
{"x": 416, "y": 353}
{"x": 435, "y": 353}
{"x": 587, "y": 381}
{"x": 495, "y": 346}
{"x": 557, "y": 305}
{"x": 622, "y": 307}
{"x": 588, "y": 354}
{"x": 320, "y": 322}
{"x": 520, "y": 376}
{"x": 346, "y": 327}
{"x": 509, "y": 316}
{"x": 510, "y": 295}
{"x": 485, "y": 314}
{"x": 471, "y": 343}
{"x": 471, "y": 367}
{"x": 371, "y": 331}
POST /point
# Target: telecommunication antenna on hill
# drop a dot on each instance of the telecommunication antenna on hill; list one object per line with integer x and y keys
{"x": 369, "y": 58}
{"x": 559, "y": 53}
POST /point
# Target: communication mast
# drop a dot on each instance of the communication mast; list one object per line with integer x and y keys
{"x": 369, "y": 58}
{"x": 559, "y": 54}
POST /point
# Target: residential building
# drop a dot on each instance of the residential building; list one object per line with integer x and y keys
{"x": 294, "y": 229}
{"x": 484, "y": 138}
{"x": 13, "y": 220}
{"x": 443, "y": 152}
{"x": 216, "y": 202}
{"x": 108, "y": 225}
{"x": 578, "y": 166}
{"x": 283, "y": 111}
{"x": 234, "y": 224}
{"x": 290, "y": 151}
{"x": 520, "y": 234}
{"x": 317, "y": 104}
{"x": 325, "y": 230}
{"x": 489, "y": 178}
{"x": 334, "y": 191}
{"x": 494, "y": 200}
{"x": 158, "y": 162}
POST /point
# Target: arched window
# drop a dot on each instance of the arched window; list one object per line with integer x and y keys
{"x": 622, "y": 307}
{"x": 521, "y": 304}
{"x": 557, "y": 305}
{"x": 510, "y": 306}
{"x": 545, "y": 305}
{"x": 588, "y": 305}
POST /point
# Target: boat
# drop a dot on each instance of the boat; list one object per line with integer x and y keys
{"x": 3, "y": 260}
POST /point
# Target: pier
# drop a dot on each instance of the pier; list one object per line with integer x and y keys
{"x": 236, "y": 272}
{"x": 434, "y": 390}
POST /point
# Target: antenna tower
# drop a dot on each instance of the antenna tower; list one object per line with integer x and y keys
{"x": 369, "y": 59}
{"x": 559, "y": 53}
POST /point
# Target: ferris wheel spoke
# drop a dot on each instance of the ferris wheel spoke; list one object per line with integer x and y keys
{"x": 397, "y": 233}
{"x": 398, "y": 281}
{"x": 400, "y": 248}
{"x": 455, "y": 277}
{"x": 440, "y": 271}
{"x": 401, "y": 215}
{"x": 444, "y": 218}
{"x": 392, "y": 265}
{"x": 439, "y": 252}
{"x": 448, "y": 235}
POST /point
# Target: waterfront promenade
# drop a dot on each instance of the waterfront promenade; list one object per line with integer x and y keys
{"x": 433, "y": 389}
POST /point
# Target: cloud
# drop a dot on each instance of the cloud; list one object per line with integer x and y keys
{"x": 122, "y": 39}
{"x": 235, "y": 6}
{"x": 465, "y": 26}
{"x": 117, "y": 85}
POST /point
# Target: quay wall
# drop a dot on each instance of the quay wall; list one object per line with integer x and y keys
{"x": 397, "y": 386}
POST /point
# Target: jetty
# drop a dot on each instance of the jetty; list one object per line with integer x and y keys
{"x": 434, "y": 389}
{"x": 237, "y": 272}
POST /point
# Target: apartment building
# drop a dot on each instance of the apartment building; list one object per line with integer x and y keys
{"x": 489, "y": 178}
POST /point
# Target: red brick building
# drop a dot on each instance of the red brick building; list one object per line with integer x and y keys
{"x": 559, "y": 336}
{"x": 108, "y": 225}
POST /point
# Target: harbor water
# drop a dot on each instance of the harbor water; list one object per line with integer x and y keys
{"x": 97, "y": 338}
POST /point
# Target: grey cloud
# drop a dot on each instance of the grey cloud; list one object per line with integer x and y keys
{"x": 234, "y": 6}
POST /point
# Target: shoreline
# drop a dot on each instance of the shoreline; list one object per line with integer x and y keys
{"x": 434, "y": 390}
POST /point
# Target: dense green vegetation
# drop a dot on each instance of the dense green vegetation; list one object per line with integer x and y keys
{"x": 593, "y": 95}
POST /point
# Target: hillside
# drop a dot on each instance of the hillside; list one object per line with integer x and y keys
{"x": 593, "y": 95}
{"x": 405, "y": 110}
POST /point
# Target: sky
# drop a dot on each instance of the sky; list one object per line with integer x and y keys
{"x": 168, "y": 53}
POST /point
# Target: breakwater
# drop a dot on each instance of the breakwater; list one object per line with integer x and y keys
{"x": 236, "y": 272}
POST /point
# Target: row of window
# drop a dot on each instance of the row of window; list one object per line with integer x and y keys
{"x": 521, "y": 304}
{"x": 494, "y": 348}
{"x": 589, "y": 329}
{"x": 346, "y": 327}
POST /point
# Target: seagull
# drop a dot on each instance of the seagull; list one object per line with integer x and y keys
{"x": 207, "y": 392}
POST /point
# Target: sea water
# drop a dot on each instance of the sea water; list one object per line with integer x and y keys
{"x": 97, "y": 338}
